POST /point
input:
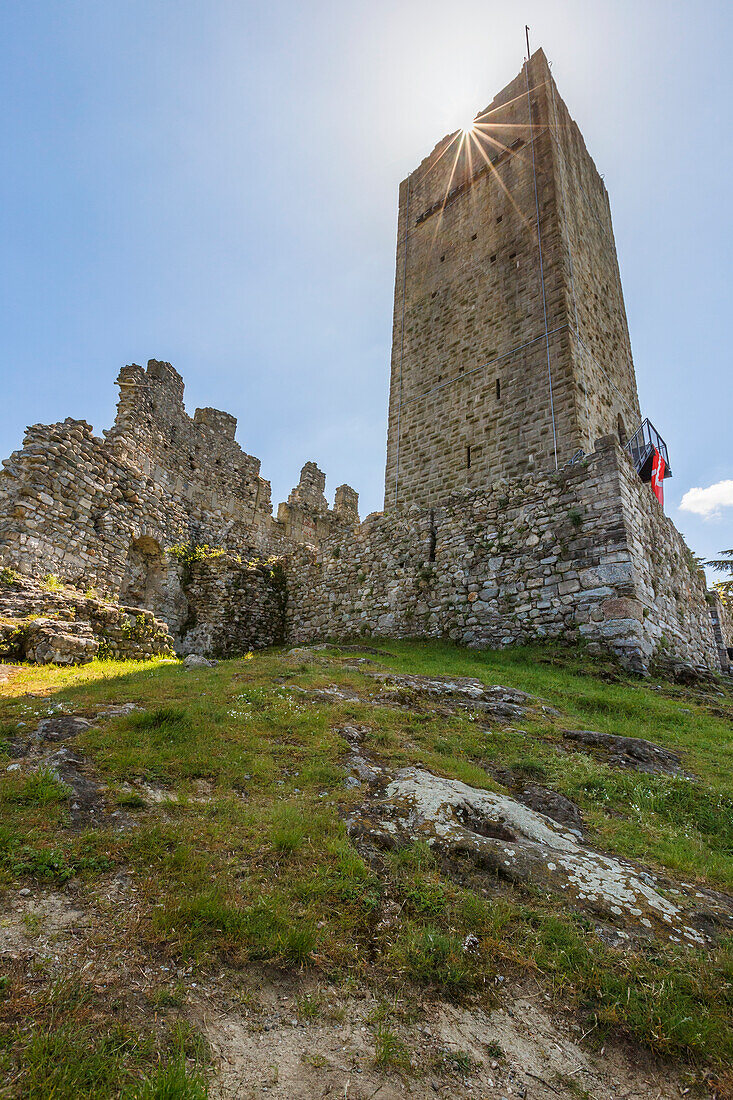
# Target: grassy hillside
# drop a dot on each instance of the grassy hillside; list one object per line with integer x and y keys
{"x": 211, "y": 841}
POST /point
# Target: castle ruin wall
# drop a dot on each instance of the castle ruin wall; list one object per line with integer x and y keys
{"x": 721, "y": 615}
{"x": 235, "y": 605}
{"x": 101, "y": 513}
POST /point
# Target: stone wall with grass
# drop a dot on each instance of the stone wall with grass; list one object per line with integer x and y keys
{"x": 45, "y": 621}
{"x": 234, "y": 604}
{"x": 554, "y": 556}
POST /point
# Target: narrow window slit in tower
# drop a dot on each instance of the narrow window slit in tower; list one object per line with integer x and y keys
{"x": 433, "y": 537}
{"x": 468, "y": 457}
{"x": 442, "y": 258}
{"x": 498, "y": 389}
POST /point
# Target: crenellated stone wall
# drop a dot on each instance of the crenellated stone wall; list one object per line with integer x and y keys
{"x": 102, "y": 512}
{"x": 583, "y": 553}
{"x": 305, "y": 516}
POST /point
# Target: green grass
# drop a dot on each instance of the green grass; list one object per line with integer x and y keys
{"x": 390, "y": 1052}
{"x": 42, "y": 788}
{"x": 259, "y": 868}
{"x": 63, "y": 1047}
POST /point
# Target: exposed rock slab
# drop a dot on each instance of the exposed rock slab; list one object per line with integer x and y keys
{"x": 629, "y": 752}
{"x": 49, "y": 746}
{"x": 463, "y": 691}
{"x": 504, "y": 837}
{"x": 60, "y": 727}
{"x": 552, "y": 804}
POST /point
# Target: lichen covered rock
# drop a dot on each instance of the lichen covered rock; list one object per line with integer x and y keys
{"x": 505, "y": 838}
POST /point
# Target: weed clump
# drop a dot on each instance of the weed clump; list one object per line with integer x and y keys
{"x": 42, "y": 788}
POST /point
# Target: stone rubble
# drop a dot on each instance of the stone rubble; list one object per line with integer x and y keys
{"x": 58, "y": 624}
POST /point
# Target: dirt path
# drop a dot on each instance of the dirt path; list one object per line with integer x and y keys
{"x": 518, "y": 1050}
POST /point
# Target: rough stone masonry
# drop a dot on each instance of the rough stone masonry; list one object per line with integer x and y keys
{"x": 512, "y": 510}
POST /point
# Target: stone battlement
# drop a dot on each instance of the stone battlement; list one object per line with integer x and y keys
{"x": 101, "y": 512}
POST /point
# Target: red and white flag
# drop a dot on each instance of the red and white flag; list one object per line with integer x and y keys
{"x": 658, "y": 477}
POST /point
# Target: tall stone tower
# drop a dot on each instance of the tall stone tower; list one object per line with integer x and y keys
{"x": 510, "y": 345}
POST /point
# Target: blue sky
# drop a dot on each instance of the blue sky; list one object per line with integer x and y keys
{"x": 215, "y": 184}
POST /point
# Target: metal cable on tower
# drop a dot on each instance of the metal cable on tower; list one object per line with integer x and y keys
{"x": 402, "y": 343}
{"x": 542, "y": 271}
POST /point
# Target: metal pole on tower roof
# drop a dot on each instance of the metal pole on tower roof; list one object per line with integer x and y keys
{"x": 526, "y": 31}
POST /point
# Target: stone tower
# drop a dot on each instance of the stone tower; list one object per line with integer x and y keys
{"x": 510, "y": 345}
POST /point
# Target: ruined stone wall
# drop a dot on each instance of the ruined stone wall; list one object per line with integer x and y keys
{"x": 102, "y": 512}
{"x": 98, "y": 512}
{"x": 532, "y": 558}
{"x": 60, "y": 624}
{"x": 305, "y": 516}
{"x": 721, "y": 616}
{"x": 670, "y": 588}
{"x": 471, "y": 397}
{"x": 235, "y": 605}
{"x": 725, "y": 616}
{"x": 194, "y": 460}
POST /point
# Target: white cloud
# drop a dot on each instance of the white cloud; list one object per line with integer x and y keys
{"x": 708, "y": 502}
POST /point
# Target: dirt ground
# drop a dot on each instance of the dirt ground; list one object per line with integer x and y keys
{"x": 517, "y": 1050}
{"x": 291, "y": 1037}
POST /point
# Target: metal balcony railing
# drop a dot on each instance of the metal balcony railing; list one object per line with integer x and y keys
{"x": 642, "y": 445}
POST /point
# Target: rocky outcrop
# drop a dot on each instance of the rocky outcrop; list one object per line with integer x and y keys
{"x": 504, "y": 838}
{"x": 628, "y": 752}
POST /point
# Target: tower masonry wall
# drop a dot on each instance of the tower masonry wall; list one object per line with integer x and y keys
{"x": 507, "y": 357}
{"x": 595, "y": 312}
{"x": 582, "y": 553}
